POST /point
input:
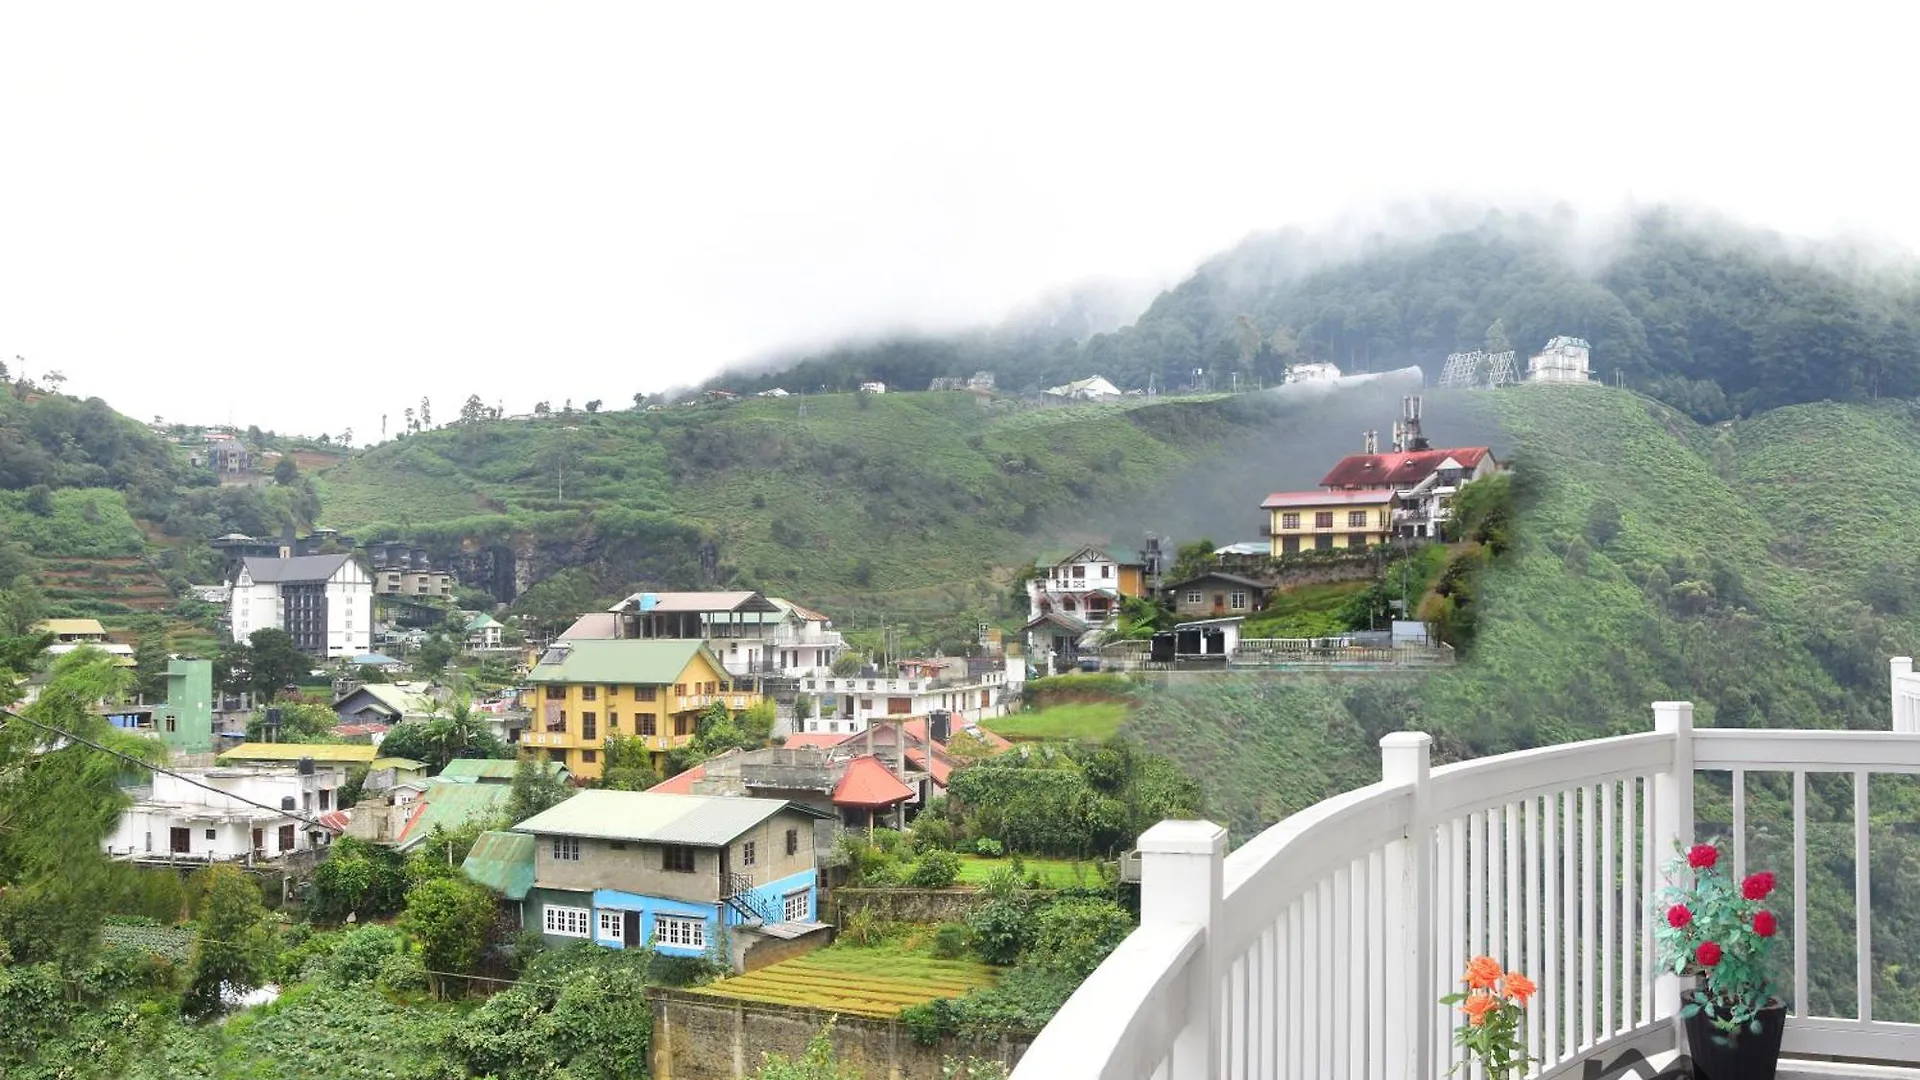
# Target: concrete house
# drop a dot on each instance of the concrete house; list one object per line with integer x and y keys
{"x": 253, "y": 813}
{"x": 324, "y": 601}
{"x": 1218, "y": 594}
{"x": 625, "y": 868}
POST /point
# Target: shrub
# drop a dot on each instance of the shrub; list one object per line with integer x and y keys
{"x": 1074, "y": 936}
{"x": 932, "y": 833}
{"x": 951, "y": 941}
{"x": 1003, "y": 925}
{"x": 402, "y": 973}
{"x": 860, "y": 928}
{"x": 886, "y": 840}
{"x": 928, "y": 1021}
{"x": 988, "y": 847}
{"x": 361, "y": 955}
{"x": 935, "y": 870}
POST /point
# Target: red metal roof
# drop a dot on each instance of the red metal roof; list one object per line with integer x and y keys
{"x": 334, "y": 821}
{"x": 870, "y": 785}
{"x": 938, "y": 768}
{"x": 1398, "y": 470}
{"x": 682, "y": 784}
{"x": 1327, "y": 498}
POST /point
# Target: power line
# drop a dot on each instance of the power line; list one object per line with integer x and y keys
{"x": 182, "y": 777}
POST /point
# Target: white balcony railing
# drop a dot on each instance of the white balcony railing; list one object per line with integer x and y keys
{"x": 1321, "y": 947}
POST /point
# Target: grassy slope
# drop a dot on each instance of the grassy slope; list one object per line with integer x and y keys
{"x": 920, "y": 499}
{"x": 1090, "y": 721}
{"x": 1781, "y": 640}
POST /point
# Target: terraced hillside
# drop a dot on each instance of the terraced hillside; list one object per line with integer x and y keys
{"x": 899, "y": 503}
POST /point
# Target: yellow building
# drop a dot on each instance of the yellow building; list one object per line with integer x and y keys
{"x": 585, "y": 692}
{"x": 1329, "y": 520}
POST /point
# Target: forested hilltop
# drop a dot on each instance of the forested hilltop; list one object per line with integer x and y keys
{"x": 1712, "y": 318}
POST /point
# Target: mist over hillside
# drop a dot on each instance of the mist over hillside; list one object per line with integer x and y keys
{"x": 1718, "y": 319}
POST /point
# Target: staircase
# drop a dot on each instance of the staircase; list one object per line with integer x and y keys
{"x": 750, "y": 907}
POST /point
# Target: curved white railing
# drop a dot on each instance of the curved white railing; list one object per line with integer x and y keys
{"x": 1320, "y": 948}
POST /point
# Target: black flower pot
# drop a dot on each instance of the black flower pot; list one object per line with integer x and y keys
{"x": 1750, "y": 1057}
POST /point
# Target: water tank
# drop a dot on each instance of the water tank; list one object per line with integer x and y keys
{"x": 306, "y": 766}
{"x": 939, "y": 725}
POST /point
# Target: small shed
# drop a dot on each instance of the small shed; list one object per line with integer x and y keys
{"x": 1207, "y": 637}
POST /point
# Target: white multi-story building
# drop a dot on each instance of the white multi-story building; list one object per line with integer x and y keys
{"x": 324, "y": 601}
{"x": 1070, "y": 598}
{"x": 836, "y": 705}
{"x": 751, "y": 634}
{"x": 255, "y": 812}
{"x": 1564, "y": 360}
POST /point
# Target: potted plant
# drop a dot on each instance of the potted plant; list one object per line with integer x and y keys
{"x": 1719, "y": 931}
{"x": 1493, "y": 1001}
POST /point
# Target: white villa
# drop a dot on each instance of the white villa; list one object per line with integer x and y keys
{"x": 837, "y": 705}
{"x": 256, "y": 812}
{"x": 1070, "y": 599}
{"x": 324, "y": 601}
{"x": 1564, "y": 360}
{"x": 1321, "y": 947}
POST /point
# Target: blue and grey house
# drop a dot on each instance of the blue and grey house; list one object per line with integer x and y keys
{"x": 630, "y": 868}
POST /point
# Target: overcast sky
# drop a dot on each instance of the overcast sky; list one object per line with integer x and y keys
{"x": 303, "y": 216}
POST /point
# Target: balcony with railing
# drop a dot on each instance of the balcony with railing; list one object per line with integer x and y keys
{"x": 1321, "y": 947}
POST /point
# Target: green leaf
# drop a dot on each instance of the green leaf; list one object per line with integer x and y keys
{"x": 1689, "y": 1010}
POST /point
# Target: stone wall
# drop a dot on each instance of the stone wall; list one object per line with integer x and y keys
{"x": 701, "y": 1037}
{"x": 1314, "y": 569}
{"x": 901, "y": 905}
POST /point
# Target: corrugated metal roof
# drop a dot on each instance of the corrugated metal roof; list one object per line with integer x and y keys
{"x": 648, "y": 662}
{"x": 694, "y": 602}
{"x": 407, "y": 764}
{"x": 357, "y": 753}
{"x": 792, "y": 608}
{"x": 72, "y": 627}
{"x": 1399, "y": 470}
{"x": 593, "y": 626}
{"x": 298, "y": 568}
{"x": 1328, "y": 498}
{"x": 502, "y": 861}
{"x": 491, "y": 769}
{"x": 451, "y": 805}
{"x": 650, "y": 817}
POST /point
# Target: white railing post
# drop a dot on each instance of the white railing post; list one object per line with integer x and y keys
{"x": 1672, "y": 822}
{"x": 1406, "y": 758}
{"x": 1903, "y": 711}
{"x": 1181, "y": 882}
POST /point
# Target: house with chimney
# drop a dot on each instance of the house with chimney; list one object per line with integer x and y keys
{"x": 1371, "y": 497}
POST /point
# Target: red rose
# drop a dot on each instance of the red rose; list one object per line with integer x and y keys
{"x": 1678, "y": 916}
{"x": 1757, "y": 886}
{"x": 1764, "y": 924}
{"x": 1708, "y": 954}
{"x": 1702, "y": 856}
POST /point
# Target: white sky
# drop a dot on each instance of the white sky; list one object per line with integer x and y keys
{"x": 304, "y": 216}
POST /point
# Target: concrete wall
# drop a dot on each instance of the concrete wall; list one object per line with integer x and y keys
{"x": 698, "y": 1037}
{"x": 634, "y": 869}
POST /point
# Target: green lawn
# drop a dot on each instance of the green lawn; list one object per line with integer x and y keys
{"x": 1053, "y": 872}
{"x": 1091, "y": 721}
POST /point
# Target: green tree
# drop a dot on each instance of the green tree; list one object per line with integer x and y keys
{"x": 285, "y": 472}
{"x": 150, "y": 666}
{"x": 1603, "y": 523}
{"x": 1497, "y": 338}
{"x": 233, "y": 668}
{"x": 628, "y": 765}
{"x": 818, "y": 1062}
{"x": 450, "y": 919}
{"x": 275, "y": 662}
{"x": 40, "y": 500}
{"x": 358, "y": 879}
{"x": 473, "y": 411}
{"x": 231, "y": 947}
{"x": 301, "y": 720}
{"x": 1194, "y": 558}
{"x": 434, "y": 655}
{"x": 535, "y": 788}
{"x": 58, "y": 801}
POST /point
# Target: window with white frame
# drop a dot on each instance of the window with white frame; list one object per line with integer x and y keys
{"x": 793, "y": 906}
{"x": 1237, "y": 601}
{"x": 675, "y": 930}
{"x": 1193, "y": 596}
{"x": 566, "y": 848}
{"x": 565, "y": 921}
{"x": 611, "y": 923}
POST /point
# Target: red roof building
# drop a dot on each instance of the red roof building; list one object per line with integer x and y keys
{"x": 869, "y": 786}
{"x": 1400, "y": 472}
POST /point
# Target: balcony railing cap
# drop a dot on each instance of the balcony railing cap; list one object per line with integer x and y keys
{"x": 1184, "y": 838}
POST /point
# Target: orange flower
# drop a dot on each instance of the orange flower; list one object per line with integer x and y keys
{"x": 1482, "y": 972}
{"x": 1518, "y": 987}
{"x": 1476, "y": 1007}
